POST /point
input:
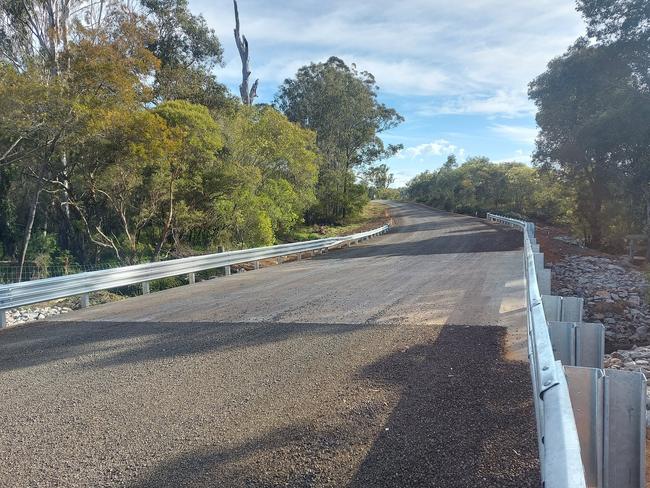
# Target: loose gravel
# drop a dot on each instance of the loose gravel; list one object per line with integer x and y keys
{"x": 338, "y": 371}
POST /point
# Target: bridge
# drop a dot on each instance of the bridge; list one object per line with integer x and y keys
{"x": 400, "y": 361}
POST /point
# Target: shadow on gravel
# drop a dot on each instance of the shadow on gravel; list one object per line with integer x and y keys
{"x": 469, "y": 242}
{"x": 105, "y": 344}
{"x": 465, "y": 417}
{"x": 274, "y": 460}
{"x": 441, "y": 224}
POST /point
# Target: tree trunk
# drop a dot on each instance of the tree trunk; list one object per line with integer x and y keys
{"x": 647, "y": 229}
{"x": 247, "y": 96}
{"x": 168, "y": 222}
{"x": 596, "y": 232}
{"x": 594, "y": 219}
{"x": 28, "y": 233}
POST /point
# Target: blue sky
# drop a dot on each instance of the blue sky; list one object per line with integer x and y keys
{"x": 457, "y": 71}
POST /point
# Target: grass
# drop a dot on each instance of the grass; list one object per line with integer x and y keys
{"x": 373, "y": 215}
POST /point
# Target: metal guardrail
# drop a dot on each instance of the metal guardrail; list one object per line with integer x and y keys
{"x": 558, "y": 442}
{"x": 591, "y": 422}
{"x": 30, "y": 292}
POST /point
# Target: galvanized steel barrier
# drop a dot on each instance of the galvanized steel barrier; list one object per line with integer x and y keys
{"x": 29, "y": 292}
{"x": 559, "y": 447}
{"x": 590, "y": 421}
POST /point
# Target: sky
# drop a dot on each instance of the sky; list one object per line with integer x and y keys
{"x": 456, "y": 71}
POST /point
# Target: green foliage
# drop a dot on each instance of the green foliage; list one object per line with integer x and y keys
{"x": 479, "y": 186}
{"x": 379, "y": 179}
{"x": 622, "y": 25}
{"x": 388, "y": 194}
{"x": 279, "y": 164}
{"x": 188, "y": 51}
{"x": 340, "y": 104}
{"x": 118, "y": 143}
{"x": 183, "y": 38}
{"x": 592, "y": 115}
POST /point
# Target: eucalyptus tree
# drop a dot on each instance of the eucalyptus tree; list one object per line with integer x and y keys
{"x": 188, "y": 50}
{"x": 340, "y": 104}
{"x": 624, "y": 24}
{"x": 380, "y": 178}
{"x": 593, "y": 130}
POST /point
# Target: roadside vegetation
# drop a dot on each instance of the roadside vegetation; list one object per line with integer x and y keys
{"x": 592, "y": 160}
{"x": 119, "y": 145}
{"x": 371, "y": 216}
{"x": 479, "y": 186}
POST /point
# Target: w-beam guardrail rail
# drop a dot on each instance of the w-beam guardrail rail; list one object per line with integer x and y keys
{"x": 591, "y": 422}
{"x": 30, "y": 292}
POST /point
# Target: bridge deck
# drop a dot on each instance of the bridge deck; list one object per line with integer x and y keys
{"x": 378, "y": 365}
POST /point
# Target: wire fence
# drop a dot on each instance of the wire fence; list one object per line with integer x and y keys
{"x": 10, "y": 273}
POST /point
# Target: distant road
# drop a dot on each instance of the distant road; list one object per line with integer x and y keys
{"x": 378, "y": 365}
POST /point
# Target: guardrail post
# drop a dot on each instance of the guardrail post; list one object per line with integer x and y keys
{"x": 145, "y": 288}
{"x": 84, "y": 300}
{"x": 227, "y": 270}
{"x": 299, "y": 256}
{"x": 578, "y": 343}
{"x": 539, "y": 260}
{"x": 3, "y": 319}
{"x": 562, "y": 309}
{"x": 544, "y": 281}
{"x": 256, "y": 265}
{"x": 191, "y": 278}
{"x": 609, "y": 407}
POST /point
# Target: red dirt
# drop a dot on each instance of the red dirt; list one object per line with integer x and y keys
{"x": 555, "y": 250}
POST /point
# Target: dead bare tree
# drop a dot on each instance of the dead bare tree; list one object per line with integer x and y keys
{"x": 247, "y": 96}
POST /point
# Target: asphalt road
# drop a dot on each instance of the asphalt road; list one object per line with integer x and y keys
{"x": 378, "y": 365}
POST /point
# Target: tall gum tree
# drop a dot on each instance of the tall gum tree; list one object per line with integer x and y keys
{"x": 591, "y": 115}
{"x": 340, "y": 104}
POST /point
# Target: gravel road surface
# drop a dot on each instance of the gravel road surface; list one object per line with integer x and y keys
{"x": 378, "y": 365}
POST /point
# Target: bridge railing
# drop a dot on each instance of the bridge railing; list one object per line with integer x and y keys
{"x": 559, "y": 446}
{"x": 29, "y": 292}
{"x": 591, "y": 422}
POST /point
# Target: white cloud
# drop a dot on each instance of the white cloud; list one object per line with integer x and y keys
{"x": 439, "y": 147}
{"x": 478, "y": 55}
{"x": 501, "y": 103}
{"x": 516, "y": 133}
{"x": 520, "y": 156}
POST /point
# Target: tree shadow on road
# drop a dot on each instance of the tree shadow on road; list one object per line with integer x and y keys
{"x": 469, "y": 242}
{"x": 463, "y": 418}
{"x": 107, "y": 344}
